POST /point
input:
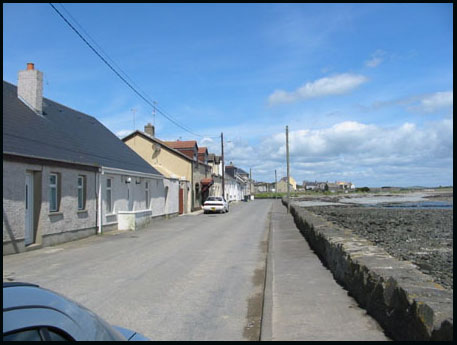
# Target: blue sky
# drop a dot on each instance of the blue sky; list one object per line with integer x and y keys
{"x": 366, "y": 89}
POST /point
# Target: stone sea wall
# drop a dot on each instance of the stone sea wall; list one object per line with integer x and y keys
{"x": 407, "y": 303}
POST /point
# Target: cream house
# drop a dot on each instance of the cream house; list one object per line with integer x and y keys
{"x": 215, "y": 162}
{"x": 282, "y": 185}
{"x": 201, "y": 172}
{"x": 169, "y": 162}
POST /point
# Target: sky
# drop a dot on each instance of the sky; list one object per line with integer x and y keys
{"x": 366, "y": 90}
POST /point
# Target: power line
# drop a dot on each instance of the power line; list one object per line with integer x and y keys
{"x": 162, "y": 112}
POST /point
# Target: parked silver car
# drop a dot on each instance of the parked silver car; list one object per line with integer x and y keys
{"x": 34, "y": 313}
{"x": 215, "y": 204}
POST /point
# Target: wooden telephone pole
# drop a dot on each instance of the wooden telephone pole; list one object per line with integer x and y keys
{"x": 223, "y": 168}
{"x": 276, "y": 186}
{"x": 288, "y": 175}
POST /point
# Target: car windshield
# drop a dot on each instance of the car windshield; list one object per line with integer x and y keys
{"x": 214, "y": 198}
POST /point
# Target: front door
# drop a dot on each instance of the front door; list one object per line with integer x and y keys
{"x": 181, "y": 201}
{"x": 28, "y": 209}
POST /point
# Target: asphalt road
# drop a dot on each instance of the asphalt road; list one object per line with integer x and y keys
{"x": 193, "y": 277}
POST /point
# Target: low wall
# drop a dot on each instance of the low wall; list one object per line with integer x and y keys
{"x": 405, "y": 302}
{"x": 131, "y": 220}
{"x": 135, "y": 220}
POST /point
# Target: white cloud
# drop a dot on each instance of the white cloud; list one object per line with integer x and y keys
{"x": 427, "y": 103}
{"x": 376, "y": 58}
{"x": 205, "y": 141}
{"x": 361, "y": 153}
{"x": 436, "y": 101}
{"x": 122, "y": 133}
{"x": 335, "y": 85}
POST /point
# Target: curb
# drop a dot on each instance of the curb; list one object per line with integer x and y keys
{"x": 405, "y": 302}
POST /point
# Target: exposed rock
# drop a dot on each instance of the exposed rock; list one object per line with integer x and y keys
{"x": 409, "y": 304}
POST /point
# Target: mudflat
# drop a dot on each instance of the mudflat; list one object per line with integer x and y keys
{"x": 421, "y": 235}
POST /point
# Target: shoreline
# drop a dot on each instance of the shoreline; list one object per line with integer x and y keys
{"x": 423, "y": 236}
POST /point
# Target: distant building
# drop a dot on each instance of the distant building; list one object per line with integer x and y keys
{"x": 311, "y": 185}
{"x": 282, "y": 184}
{"x": 238, "y": 185}
{"x": 169, "y": 162}
{"x": 202, "y": 172}
{"x": 264, "y": 187}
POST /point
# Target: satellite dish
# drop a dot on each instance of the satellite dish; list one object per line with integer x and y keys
{"x": 156, "y": 147}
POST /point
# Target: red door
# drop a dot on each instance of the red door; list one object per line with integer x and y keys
{"x": 181, "y": 201}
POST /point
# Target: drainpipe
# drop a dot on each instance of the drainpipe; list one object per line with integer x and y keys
{"x": 99, "y": 175}
{"x": 192, "y": 204}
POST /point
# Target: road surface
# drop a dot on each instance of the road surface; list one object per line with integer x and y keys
{"x": 244, "y": 275}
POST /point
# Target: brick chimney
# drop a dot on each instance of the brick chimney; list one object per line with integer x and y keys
{"x": 30, "y": 88}
{"x": 149, "y": 129}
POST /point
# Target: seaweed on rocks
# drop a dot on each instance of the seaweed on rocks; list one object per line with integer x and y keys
{"x": 421, "y": 236}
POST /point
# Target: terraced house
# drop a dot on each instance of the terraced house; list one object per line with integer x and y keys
{"x": 170, "y": 162}
{"x": 202, "y": 172}
{"x": 66, "y": 176}
{"x": 237, "y": 183}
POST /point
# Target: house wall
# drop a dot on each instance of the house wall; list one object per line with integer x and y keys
{"x": 234, "y": 191}
{"x": 282, "y": 186}
{"x": 50, "y": 227}
{"x": 167, "y": 162}
{"x": 159, "y": 205}
{"x": 216, "y": 188}
{"x": 201, "y": 171}
{"x": 171, "y": 202}
{"x": 162, "y": 158}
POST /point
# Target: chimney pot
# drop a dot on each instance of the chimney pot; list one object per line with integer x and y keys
{"x": 30, "y": 66}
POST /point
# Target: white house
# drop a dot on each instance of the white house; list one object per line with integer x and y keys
{"x": 66, "y": 176}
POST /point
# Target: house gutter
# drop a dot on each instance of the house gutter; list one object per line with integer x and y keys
{"x": 106, "y": 170}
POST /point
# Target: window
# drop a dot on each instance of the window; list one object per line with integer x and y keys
{"x": 166, "y": 195}
{"x": 53, "y": 193}
{"x": 37, "y": 334}
{"x": 81, "y": 192}
{"x": 108, "y": 196}
{"x": 23, "y": 335}
{"x": 147, "y": 195}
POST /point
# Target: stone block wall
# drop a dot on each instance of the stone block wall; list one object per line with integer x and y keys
{"x": 406, "y": 302}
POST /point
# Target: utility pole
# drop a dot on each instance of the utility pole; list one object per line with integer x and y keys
{"x": 288, "y": 175}
{"x": 223, "y": 168}
{"x": 276, "y": 186}
{"x": 250, "y": 182}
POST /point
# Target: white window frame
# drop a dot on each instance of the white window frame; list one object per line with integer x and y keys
{"x": 82, "y": 196}
{"x": 54, "y": 187}
{"x": 109, "y": 205}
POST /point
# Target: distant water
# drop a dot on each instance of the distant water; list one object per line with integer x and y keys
{"x": 415, "y": 205}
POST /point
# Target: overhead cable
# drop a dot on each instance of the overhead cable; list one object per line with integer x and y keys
{"x": 129, "y": 84}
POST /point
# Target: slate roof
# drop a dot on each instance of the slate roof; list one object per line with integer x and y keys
{"x": 63, "y": 134}
{"x": 213, "y": 158}
{"x": 178, "y": 144}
